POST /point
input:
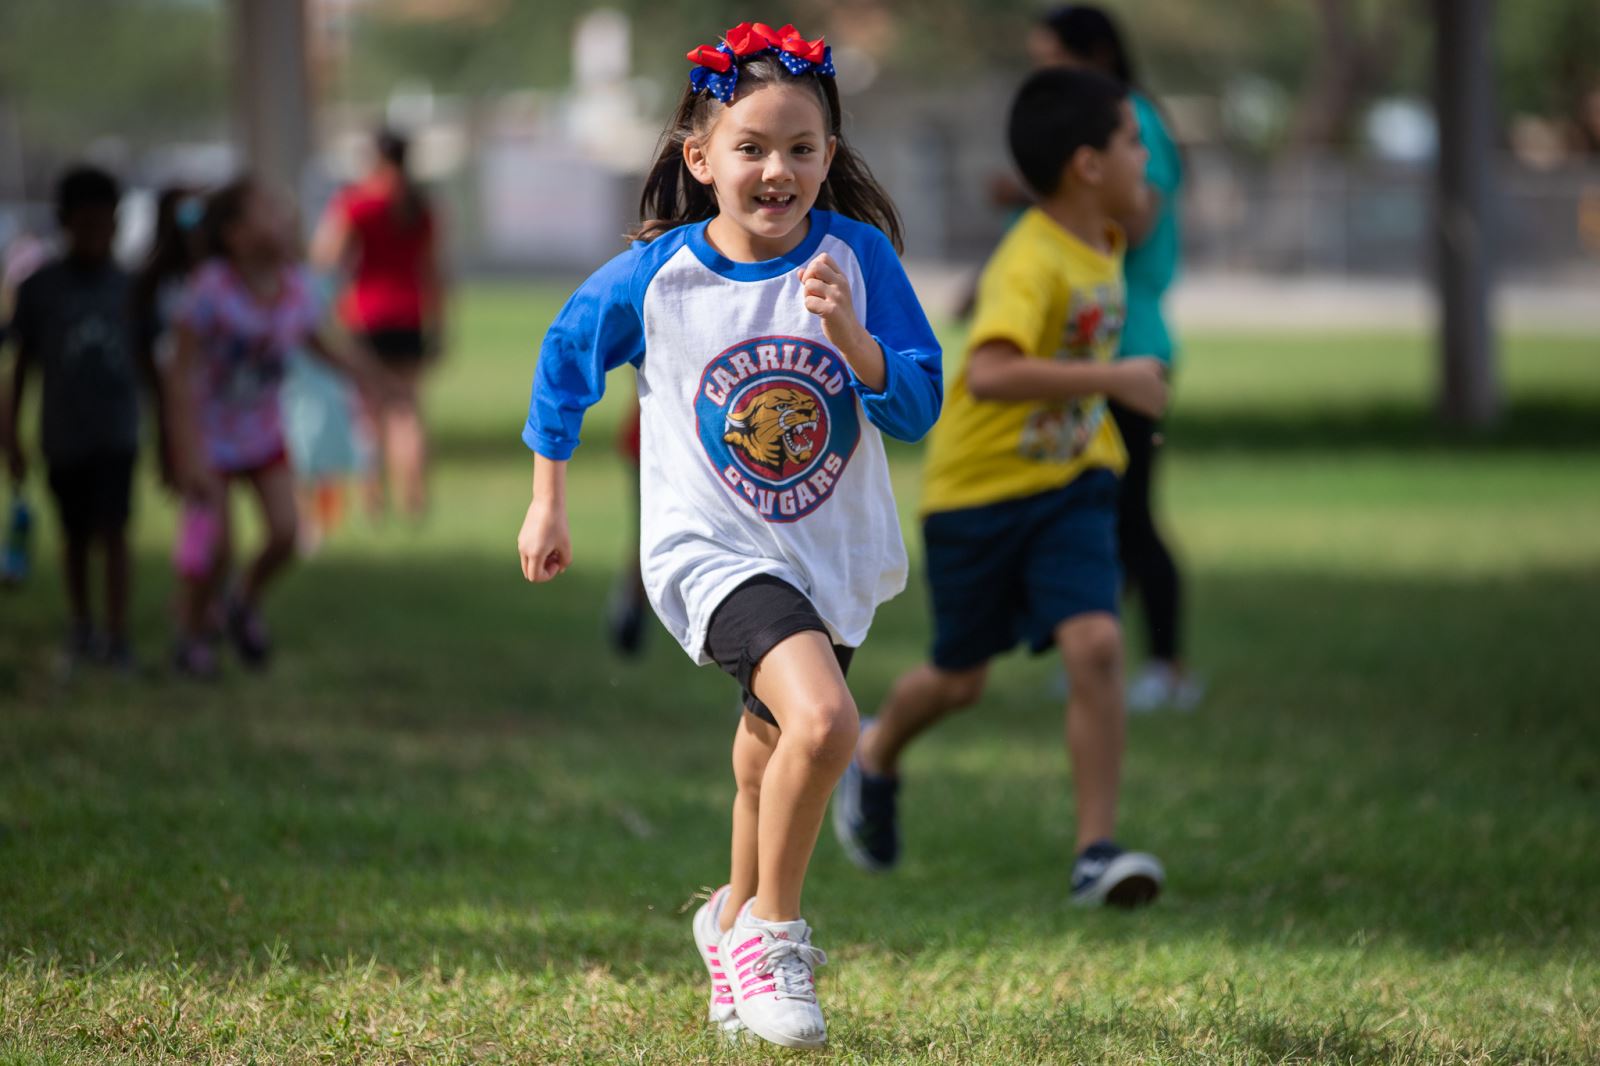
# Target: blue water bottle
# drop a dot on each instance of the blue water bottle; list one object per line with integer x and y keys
{"x": 14, "y": 568}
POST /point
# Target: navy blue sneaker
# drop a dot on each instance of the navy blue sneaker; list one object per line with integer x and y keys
{"x": 1104, "y": 873}
{"x": 249, "y": 635}
{"x": 864, "y": 816}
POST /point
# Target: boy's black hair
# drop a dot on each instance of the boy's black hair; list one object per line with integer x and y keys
{"x": 85, "y": 186}
{"x": 1056, "y": 112}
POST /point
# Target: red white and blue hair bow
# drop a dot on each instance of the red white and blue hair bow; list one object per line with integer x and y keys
{"x": 716, "y": 69}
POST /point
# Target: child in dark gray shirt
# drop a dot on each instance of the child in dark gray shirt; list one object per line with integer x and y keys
{"x": 70, "y": 325}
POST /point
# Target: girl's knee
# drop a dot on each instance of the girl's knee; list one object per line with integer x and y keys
{"x": 747, "y": 775}
{"x": 826, "y": 729}
{"x": 747, "y": 788}
{"x": 753, "y": 743}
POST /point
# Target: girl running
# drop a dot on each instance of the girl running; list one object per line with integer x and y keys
{"x": 242, "y": 312}
{"x": 383, "y": 233}
{"x": 775, "y": 336}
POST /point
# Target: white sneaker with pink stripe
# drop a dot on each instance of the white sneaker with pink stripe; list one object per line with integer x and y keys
{"x": 774, "y": 982}
{"x": 708, "y": 939}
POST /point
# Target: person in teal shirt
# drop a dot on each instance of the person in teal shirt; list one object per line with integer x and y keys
{"x": 1083, "y": 35}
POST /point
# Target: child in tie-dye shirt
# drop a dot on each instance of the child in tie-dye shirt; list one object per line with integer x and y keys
{"x": 242, "y": 314}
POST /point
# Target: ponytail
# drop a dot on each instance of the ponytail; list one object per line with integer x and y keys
{"x": 411, "y": 207}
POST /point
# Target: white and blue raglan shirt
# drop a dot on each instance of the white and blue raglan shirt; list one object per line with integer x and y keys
{"x": 760, "y": 451}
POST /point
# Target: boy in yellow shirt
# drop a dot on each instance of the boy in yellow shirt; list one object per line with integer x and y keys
{"x": 1020, "y": 493}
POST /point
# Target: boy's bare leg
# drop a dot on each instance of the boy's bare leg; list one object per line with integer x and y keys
{"x": 753, "y": 746}
{"x": 1091, "y": 649}
{"x": 800, "y": 681}
{"x": 75, "y": 569}
{"x": 917, "y": 700}
{"x": 116, "y": 542}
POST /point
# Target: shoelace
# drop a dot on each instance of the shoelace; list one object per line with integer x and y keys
{"x": 1089, "y": 869}
{"x": 789, "y": 963}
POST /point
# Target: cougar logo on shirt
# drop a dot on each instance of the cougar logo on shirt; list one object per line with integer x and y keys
{"x": 774, "y": 428}
{"x": 778, "y": 421}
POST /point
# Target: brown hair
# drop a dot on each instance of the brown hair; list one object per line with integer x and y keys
{"x": 672, "y": 196}
{"x": 223, "y": 208}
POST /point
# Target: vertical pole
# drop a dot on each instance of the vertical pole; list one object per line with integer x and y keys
{"x": 271, "y": 89}
{"x": 1469, "y": 393}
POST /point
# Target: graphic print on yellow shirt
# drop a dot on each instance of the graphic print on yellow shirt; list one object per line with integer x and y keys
{"x": 1054, "y": 297}
{"x": 1060, "y": 433}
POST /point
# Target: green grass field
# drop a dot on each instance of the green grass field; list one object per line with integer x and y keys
{"x": 450, "y": 827}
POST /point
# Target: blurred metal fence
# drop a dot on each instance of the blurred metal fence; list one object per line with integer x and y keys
{"x": 939, "y": 152}
{"x": 522, "y": 192}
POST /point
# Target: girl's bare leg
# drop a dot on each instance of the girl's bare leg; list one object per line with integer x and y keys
{"x": 275, "y": 490}
{"x": 198, "y": 599}
{"x": 371, "y": 424}
{"x": 800, "y": 681}
{"x": 753, "y": 746}
{"x": 406, "y": 444}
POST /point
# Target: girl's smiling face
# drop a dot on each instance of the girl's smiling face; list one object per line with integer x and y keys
{"x": 263, "y": 231}
{"x": 765, "y": 158}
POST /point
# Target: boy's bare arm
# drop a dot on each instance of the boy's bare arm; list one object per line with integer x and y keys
{"x": 998, "y": 370}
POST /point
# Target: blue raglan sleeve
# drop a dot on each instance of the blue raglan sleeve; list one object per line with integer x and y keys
{"x": 599, "y": 328}
{"x": 913, "y": 389}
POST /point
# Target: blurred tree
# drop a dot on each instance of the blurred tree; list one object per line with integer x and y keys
{"x": 1550, "y": 63}
{"x": 80, "y": 69}
{"x": 1356, "y": 46}
{"x": 492, "y": 45}
{"x": 142, "y": 69}
{"x": 1199, "y": 46}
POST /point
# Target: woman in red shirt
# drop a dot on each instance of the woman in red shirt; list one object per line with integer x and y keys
{"x": 382, "y": 234}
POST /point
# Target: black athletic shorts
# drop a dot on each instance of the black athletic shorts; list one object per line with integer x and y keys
{"x": 1015, "y": 570}
{"x": 93, "y": 496}
{"x": 755, "y": 618}
{"x": 396, "y": 347}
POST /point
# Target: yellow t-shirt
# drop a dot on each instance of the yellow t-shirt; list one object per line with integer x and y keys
{"x": 1054, "y": 297}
